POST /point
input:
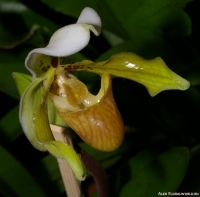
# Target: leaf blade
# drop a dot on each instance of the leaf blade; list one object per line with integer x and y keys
{"x": 16, "y": 177}
{"x": 156, "y": 176}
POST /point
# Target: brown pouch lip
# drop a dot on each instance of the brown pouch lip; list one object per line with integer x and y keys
{"x": 100, "y": 125}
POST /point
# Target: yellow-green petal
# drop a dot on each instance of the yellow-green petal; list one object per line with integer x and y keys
{"x": 56, "y": 148}
{"x": 153, "y": 74}
{"x": 66, "y": 152}
{"x": 35, "y": 123}
{"x": 31, "y": 100}
{"x": 41, "y": 124}
{"x": 41, "y": 120}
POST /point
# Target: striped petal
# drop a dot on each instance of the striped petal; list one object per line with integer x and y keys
{"x": 99, "y": 125}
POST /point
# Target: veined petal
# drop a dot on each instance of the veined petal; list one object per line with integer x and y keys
{"x": 153, "y": 74}
{"x": 90, "y": 17}
{"x": 99, "y": 125}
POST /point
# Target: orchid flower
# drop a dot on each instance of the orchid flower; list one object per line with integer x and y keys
{"x": 95, "y": 118}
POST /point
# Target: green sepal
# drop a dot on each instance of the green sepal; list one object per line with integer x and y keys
{"x": 22, "y": 81}
{"x": 66, "y": 152}
{"x": 35, "y": 122}
{"x": 41, "y": 124}
{"x": 56, "y": 148}
{"x": 54, "y": 118}
{"x": 153, "y": 74}
{"x": 30, "y": 101}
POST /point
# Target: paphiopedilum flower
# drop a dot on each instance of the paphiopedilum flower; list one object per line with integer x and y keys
{"x": 95, "y": 118}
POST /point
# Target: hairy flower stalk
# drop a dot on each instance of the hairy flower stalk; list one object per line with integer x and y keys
{"x": 95, "y": 118}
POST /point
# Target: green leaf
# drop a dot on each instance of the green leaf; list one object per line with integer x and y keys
{"x": 129, "y": 169}
{"x": 96, "y": 154}
{"x": 12, "y": 41}
{"x": 25, "y": 19}
{"x": 69, "y": 8}
{"x": 175, "y": 54}
{"x": 157, "y": 16}
{"x": 192, "y": 177}
{"x": 153, "y": 74}
{"x": 48, "y": 169}
{"x": 10, "y": 126}
{"x": 107, "y": 159}
{"x": 140, "y": 161}
{"x": 112, "y": 38}
{"x": 143, "y": 16}
{"x": 15, "y": 179}
{"x": 11, "y": 62}
{"x": 157, "y": 175}
{"x": 6, "y": 38}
